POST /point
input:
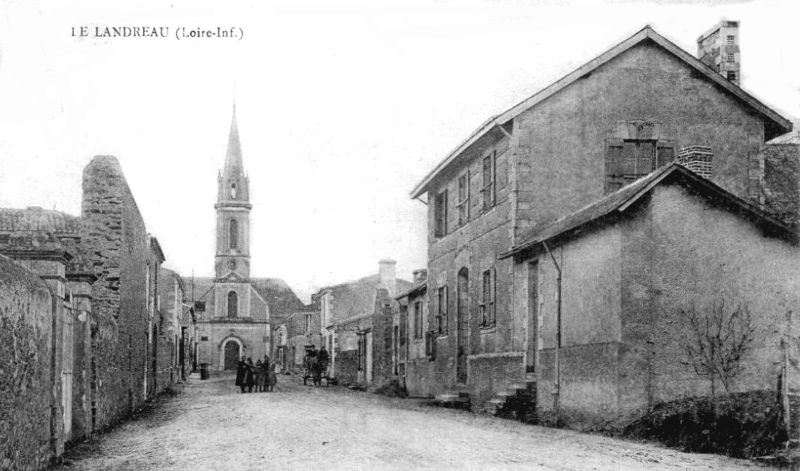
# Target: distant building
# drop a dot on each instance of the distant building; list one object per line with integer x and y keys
{"x": 349, "y": 313}
{"x": 233, "y": 310}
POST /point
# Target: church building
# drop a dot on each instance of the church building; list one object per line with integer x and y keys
{"x": 233, "y": 310}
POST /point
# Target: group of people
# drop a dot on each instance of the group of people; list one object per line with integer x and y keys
{"x": 262, "y": 375}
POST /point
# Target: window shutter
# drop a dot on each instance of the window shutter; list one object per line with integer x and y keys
{"x": 613, "y": 165}
{"x": 665, "y": 152}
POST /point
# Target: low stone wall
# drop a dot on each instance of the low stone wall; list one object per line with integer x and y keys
{"x": 25, "y": 355}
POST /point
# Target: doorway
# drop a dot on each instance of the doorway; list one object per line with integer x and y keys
{"x": 462, "y": 326}
{"x": 231, "y": 355}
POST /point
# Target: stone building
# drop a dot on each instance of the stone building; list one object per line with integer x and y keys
{"x": 352, "y": 316}
{"x": 635, "y": 108}
{"x": 233, "y": 310}
{"x": 95, "y": 349}
{"x": 413, "y": 345}
{"x": 302, "y": 331}
{"x": 622, "y": 271}
{"x": 172, "y": 325}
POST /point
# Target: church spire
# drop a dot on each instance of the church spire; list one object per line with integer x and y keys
{"x": 233, "y": 158}
{"x": 233, "y": 183}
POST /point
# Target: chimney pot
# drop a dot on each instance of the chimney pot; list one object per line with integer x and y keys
{"x": 388, "y": 274}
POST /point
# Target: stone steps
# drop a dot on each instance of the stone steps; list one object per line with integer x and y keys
{"x": 517, "y": 402}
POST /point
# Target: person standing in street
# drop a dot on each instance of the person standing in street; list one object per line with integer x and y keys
{"x": 249, "y": 375}
{"x": 241, "y": 370}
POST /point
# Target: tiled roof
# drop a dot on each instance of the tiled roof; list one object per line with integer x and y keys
{"x": 620, "y": 200}
{"x": 279, "y": 296}
{"x": 38, "y": 219}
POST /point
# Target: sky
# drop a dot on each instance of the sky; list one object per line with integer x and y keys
{"x": 342, "y": 107}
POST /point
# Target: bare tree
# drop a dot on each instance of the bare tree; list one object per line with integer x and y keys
{"x": 718, "y": 342}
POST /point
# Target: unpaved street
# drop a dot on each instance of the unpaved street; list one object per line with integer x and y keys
{"x": 211, "y": 426}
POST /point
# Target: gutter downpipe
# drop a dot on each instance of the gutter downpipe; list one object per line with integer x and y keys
{"x": 557, "y": 386}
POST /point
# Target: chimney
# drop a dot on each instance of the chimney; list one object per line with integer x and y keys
{"x": 388, "y": 272}
{"x": 718, "y": 48}
{"x": 420, "y": 275}
{"x": 698, "y": 159}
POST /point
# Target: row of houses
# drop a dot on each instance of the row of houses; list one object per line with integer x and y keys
{"x": 92, "y": 324}
{"x": 571, "y": 237}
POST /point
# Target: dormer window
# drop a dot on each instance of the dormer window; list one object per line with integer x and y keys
{"x": 233, "y": 191}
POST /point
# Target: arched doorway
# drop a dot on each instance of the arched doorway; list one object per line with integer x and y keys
{"x": 462, "y": 326}
{"x": 232, "y": 355}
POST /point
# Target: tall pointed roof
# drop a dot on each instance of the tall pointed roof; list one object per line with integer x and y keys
{"x": 233, "y": 157}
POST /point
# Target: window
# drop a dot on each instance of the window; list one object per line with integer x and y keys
{"x": 233, "y": 304}
{"x": 308, "y": 324}
{"x": 441, "y": 311}
{"x": 731, "y": 75}
{"x": 487, "y": 192}
{"x": 233, "y": 191}
{"x": 629, "y": 160}
{"x": 731, "y": 58}
{"x": 204, "y": 338}
{"x": 233, "y": 234}
{"x": 430, "y": 344}
{"x": 418, "y": 320}
{"x": 463, "y": 199}
{"x": 440, "y": 210}
{"x": 731, "y": 40}
{"x": 487, "y": 299}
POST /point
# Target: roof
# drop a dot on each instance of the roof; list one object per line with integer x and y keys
{"x": 645, "y": 34}
{"x": 619, "y": 201}
{"x": 357, "y": 297}
{"x": 792, "y": 138}
{"x": 278, "y": 294}
{"x": 421, "y": 286}
{"x": 37, "y": 219}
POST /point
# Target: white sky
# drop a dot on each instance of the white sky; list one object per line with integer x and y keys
{"x": 342, "y": 107}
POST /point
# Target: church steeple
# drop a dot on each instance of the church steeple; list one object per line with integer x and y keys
{"x": 233, "y": 213}
{"x": 233, "y": 182}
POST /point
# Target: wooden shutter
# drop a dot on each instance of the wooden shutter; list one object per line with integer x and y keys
{"x": 665, "y": 152}
{"x": 614, "y": 171}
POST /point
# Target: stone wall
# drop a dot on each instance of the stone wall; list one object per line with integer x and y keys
{"x": 781, "y": 187}
{"x": 25, "y": 357}
{"x": 114, "y": 233}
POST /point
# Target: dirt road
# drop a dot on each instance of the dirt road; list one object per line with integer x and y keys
{"x": 209, "y": 425}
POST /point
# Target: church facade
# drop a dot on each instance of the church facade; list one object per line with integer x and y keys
{"x": 234, "y": 311}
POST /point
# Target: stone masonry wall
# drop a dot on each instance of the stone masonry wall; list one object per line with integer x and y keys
{"x": 781, "y": 185}
{"x": 25, "y": 356}
{"x": 115, "y": 233}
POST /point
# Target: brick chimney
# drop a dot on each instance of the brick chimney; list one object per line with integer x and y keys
{"x": 420, "y": 275}
{"x": 718, "y": 48}
{"x": 388, "y": 272}
{"x": 698, "y": 159}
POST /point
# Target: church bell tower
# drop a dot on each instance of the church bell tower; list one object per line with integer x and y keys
{"x": 232, "y": 261}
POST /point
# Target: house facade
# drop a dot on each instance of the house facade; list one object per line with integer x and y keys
{"x": 640, "y": 106}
